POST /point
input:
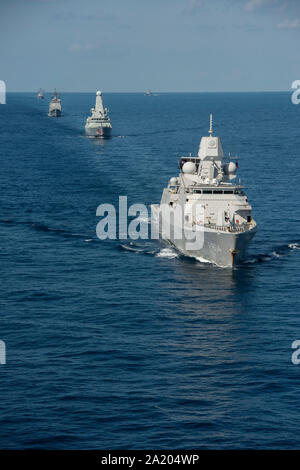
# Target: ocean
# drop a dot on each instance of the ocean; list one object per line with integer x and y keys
{"x": 121, "y": 344}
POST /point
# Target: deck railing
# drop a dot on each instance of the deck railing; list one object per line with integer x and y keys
{"x": 229, "y": 228}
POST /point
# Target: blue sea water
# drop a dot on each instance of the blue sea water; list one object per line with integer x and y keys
{"x": 119, "y": 345}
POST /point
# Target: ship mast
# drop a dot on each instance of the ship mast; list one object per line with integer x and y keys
{"x": 210, "y": 125}
{"x": 99, "y": 103}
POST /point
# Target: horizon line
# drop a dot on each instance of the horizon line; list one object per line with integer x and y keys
{"x": 157, "y": 91}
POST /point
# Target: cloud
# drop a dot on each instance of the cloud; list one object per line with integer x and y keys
{"x": 193, "y": 6}
{"x": 86, "y": 17}
{"x": 290, "y": 24}
{"x": 253, "y": 4}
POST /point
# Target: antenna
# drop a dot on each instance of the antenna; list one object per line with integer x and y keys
{"x": 210, "y": 125}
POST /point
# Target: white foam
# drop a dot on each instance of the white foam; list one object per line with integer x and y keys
{"x": 127, "y": 247}
{"x": 294, "y": 246}
{"x": 131, "y": 247}
{"x": 202, "y": 260}
{"x": 167, "y": 253}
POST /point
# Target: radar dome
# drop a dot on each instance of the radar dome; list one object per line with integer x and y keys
{"x": 173, "y": 181}
{"x": 189, "y": 168}
{"x": 230, "y": 168}
{"x": 98, "y": 93}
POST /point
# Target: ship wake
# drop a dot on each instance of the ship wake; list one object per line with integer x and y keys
{"x": 275, "y": 253}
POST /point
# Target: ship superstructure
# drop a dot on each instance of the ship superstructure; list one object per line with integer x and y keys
{"x": 212, "y": 204}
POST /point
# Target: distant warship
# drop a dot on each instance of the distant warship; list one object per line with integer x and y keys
{"x": 55, "y": 106}
{"x": 40, "y": 94}
{"x": 148, "y": 93}
{"x": 98, "y": 124}
{"x": 225, "y": 222}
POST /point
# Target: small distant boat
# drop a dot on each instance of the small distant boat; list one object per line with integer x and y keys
{"x": 148, "y": 93}
{"x": 55, "y": 106}
{"x": 40, "y": 94}
{"x": 98, "y": 124}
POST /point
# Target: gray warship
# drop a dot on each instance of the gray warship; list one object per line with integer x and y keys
{"x": 55, "y": 106}
{"x": 98, "y": 124}
{"x": 213, "y": 207}
{"x": 40, "y": 94}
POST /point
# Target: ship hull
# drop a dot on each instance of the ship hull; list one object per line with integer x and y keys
{"x": 102, "y": 132}
{"x": 54, "y": 113}
{"x": 225, "y": 249}
{"x": 220, "y": 248}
